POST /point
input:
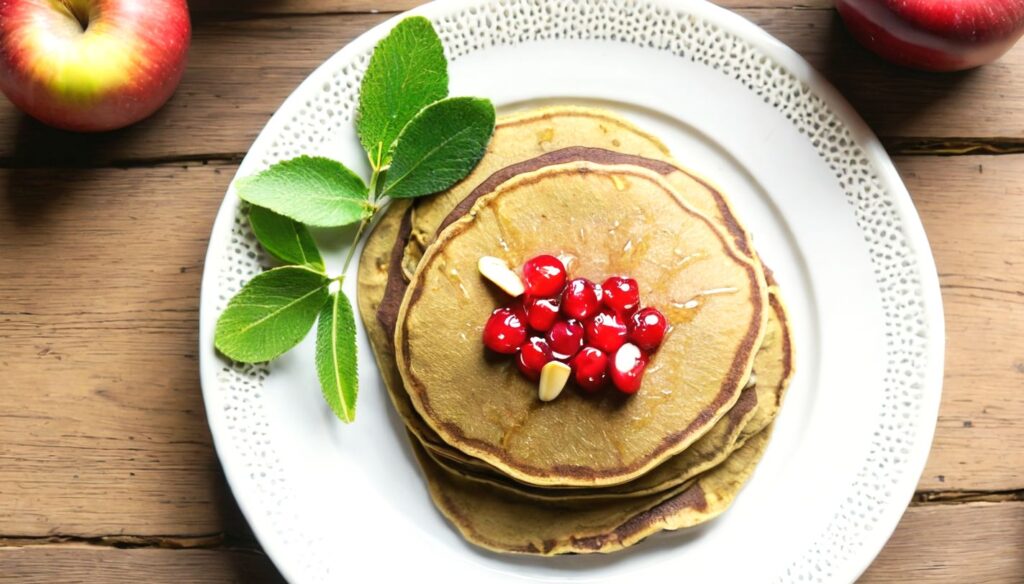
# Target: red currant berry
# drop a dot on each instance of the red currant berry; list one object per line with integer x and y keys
{"x": 505, "y": 330}
{"x": 565, "y": 339}
{"x": 541, "y": 313}
{"x": 606, "y": 331}
{"x": 627, "y": 368}
{"x": 543, "y": 276}
{"x": 621, "y": 295}
{"x": 647, "y": 328}
{"x": 590, "y": 368}
{"x": 533, "y": 356}
{"x": 579, "y": 300}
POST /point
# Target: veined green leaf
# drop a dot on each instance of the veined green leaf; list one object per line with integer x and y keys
{"x": 336, "y": 356}
{"x": 439, "y": 147}
{"x": 309, "y": 189}
{"x": 407, "y": 72}
{"x": 271, "y": 314}
{"x": 286, "y": 239}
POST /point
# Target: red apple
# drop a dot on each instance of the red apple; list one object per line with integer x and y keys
{"x": 92, "y": 65}
{"x": 935, "y": 35}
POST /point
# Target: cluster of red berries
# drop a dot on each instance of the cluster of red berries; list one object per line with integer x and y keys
{"x": 600, "y": 331}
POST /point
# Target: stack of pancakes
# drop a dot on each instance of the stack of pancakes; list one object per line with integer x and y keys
{"x": 586, "y": 472}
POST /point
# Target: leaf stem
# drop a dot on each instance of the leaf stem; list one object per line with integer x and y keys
{"x": 364, "y": 222}
{"x": 373, "y": 185}
{"x": 355, "y": 243}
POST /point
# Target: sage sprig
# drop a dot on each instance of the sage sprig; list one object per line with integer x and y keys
{"x": 418, "y": 141}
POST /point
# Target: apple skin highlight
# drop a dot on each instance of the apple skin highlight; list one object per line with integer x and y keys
{"x": 92, "y": 65}
{"x": 935, "y": 35}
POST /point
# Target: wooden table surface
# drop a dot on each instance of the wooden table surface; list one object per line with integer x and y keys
{"x": 107, "y": 470}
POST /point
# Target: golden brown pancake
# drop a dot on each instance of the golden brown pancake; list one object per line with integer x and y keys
{"x": 374, "y": 273}
{"x": 495, "y": 511}
{"x": 614, "y": 220}
{"x": 519, "y": 137}
{"x": 586, "y": 121}
{"x": 505, "y": 522}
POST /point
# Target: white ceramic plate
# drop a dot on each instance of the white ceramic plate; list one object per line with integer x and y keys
{"x": 331, "y": 502}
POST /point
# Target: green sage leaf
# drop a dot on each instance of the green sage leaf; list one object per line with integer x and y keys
{"x": 309, "y": 189}
{"x": 439, "y": 147}
{"x": 285, "y": 239}
{"x": 271, "y": 314}
{"x": 336, "y": 356}
{"x": 407, "y": 72}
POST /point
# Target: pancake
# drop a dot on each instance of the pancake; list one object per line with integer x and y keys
{"x": 503, "y": 522}
{"x": 514, "y": 517}
{"x": 373, "y": 269}
{"x": 753, "y": 412}
{"x": 373, "y": 280}
{"x": 516, "y": 138}
{"x": 611, "y": 218}
{"x": 707, "y": 452}
{"x": 774, "y": 364}
{"x": 526, "y": 135}
{"x": 408, "y": 247}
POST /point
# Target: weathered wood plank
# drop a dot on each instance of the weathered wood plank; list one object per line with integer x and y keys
{"x": 80, "y": 563}
{"x": 227, "y": 95}
{"x": 980, "y": 542}
{"x": 102, "y": 429}
{"x": 974, "y": 542}
{"x": 973, "y": 213}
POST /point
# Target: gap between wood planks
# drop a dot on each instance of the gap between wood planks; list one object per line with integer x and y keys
{"x": 894, "y": 146}
{"x": 227, "y": 542}
{"x": 220, "y": 541}
{"x": 922, "y": 498}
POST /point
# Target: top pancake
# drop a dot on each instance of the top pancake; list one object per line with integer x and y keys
{"x": 614, "y": 220}
{"x": 380, "y": 263}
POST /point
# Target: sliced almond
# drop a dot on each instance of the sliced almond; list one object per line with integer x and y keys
{"x": 553, "y": 377}
{"x": 498, "y": 272}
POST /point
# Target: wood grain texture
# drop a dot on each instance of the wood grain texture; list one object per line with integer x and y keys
{"x": 973, "y": 212}
{"x": 227, "y": 96}
{"x": 79, "y": 563}
{"x": 932, "y": 545}
{"x": 943, "y": 544}
{"x": 102, "y": 427}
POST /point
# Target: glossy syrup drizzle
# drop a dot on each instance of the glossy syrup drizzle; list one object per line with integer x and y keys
{"x": 684, "y": 312}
